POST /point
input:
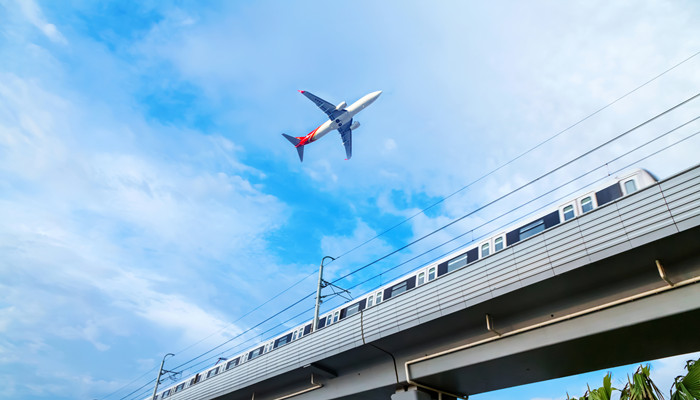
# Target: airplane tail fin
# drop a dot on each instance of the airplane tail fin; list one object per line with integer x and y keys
{"x": 295, "y": 142}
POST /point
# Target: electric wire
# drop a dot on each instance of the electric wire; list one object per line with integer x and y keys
{"x": 239, "y": 335}
{"x": 141, "y": 387}
{"x": 657, "y": 116}
{"x": 519, "y": 156}
{"x": 222, "y": 353}
{"x": 239, "y": 345}
{"x": 213, "y": 333}
{"x": 130, "y": 383}
{"x": 471, "y": 230}
{"x": 249, "y": 312}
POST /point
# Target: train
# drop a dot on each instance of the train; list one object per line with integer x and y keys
{"x": 609, "y": 191}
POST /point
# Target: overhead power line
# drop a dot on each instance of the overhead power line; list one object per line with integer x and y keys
{"x": 543, "y": 195}
{"x": 519, "y": 156}
{"x": 657, "y": 116}
{"x": 248, "y": 330}
{"x": 130, "y": 383}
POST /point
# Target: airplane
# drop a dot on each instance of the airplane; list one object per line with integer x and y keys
{"x": 339, "y": 117}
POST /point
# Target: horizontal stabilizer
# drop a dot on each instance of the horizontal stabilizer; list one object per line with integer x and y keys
{"x": 292, "y": 139}
{"x": 295, "y": 141}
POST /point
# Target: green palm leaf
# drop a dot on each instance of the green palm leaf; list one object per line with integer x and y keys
{"x": 688, "y": 386}
{"x": 641, "y": 387}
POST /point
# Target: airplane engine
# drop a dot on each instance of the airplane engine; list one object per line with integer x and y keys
{"x": 341, "y": 106}
{"x": 354, "y": 126}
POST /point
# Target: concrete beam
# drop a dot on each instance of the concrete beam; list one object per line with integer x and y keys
{"x": 630, "y": 332}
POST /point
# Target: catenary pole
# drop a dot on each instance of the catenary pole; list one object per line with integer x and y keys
{"x": 160, "y": 372}
{"x": 314, "y": 325}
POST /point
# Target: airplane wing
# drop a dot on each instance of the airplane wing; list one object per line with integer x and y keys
{"x": 346, "y": 135}
{"x": 325, "y": 106}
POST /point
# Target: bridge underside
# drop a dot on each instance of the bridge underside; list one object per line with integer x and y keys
{"x": 642, "y": 325}
{"x": 625, "y": 334}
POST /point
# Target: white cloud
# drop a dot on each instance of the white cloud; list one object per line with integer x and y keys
{"x": 110, "y": 240}
{"x": 31, "y": 11}
{"x": 665, "y": 371}
{"x": 389, "y": 144}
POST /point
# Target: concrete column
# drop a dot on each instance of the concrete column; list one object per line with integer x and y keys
{"x": 412, "y": 393}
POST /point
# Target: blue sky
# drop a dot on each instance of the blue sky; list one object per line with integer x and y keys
{"x": 148, "y": 201}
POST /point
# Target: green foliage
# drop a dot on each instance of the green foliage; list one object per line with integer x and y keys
{"x": 688, "y": 386}
{"x": 602, "y": 393}
{"x": 641, "y": 387}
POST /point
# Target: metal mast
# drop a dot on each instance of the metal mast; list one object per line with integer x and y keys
{"x": 160, "y": 373}
{"x": 314, "y": 325}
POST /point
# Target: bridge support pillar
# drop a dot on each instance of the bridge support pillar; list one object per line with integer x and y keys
{"x": 411, "y": 393}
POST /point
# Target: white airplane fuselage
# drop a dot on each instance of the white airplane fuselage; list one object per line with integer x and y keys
{"x": 340, "y": 118}
{"x": 344, "y": 118}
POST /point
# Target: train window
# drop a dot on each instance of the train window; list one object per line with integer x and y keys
{"x": 294, "y": 336}
{"x": 458, "y": 262}
{"x": 532, "y": 228}
{"x": 213, "y": 372}
{"x": 498, "y": 244}
{"x": 399, "y": 288}
{"x": 586, "y": 204}
{"x": 329, "y": 319}
{"x": 179, "y": 387}
{"x": 353, "y": 309}
{"x": 301, "y": 332}
{"x": 336, "y": 316}
{"x": 568, "y": 212}
{"x": 285, "y": 339}
{"x": 379, "y": 297}
{"x": 630, "y": 186}
{"x": 255, "y": 353}
{"x": 232, "y": 364}
{"x": 370, "y": 301}
{"x": 165, "y": 394}
{"x": 484, "y": 250}
{"x": 431, "y": 274}
{"x": 421, "y": 278}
